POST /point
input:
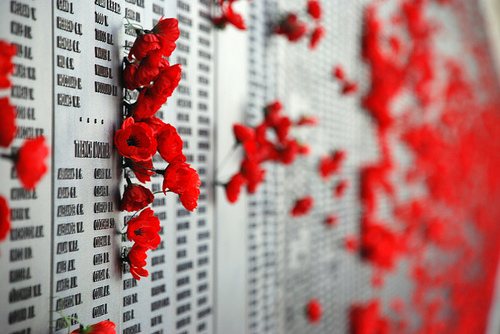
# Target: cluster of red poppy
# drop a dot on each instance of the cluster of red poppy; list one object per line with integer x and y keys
{"x": 228, "y": 16}
{"x": 452, "y": 154}
{"x": 366, "y": 319}
{"x": 348, "y": 86}
{"x": 29, "y": 160}
{"x": 142, "y": 135}
{"x": 259, "y": 146}
{"x": 294, "y": 29}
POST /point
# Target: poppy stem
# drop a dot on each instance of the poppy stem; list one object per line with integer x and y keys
{"x": 160, "y": 171}
{"x": 226, "y": 157}
{"x": 7, "y": 156}
{"x": 128, "y": 161}
{"x": 129, "y": 182}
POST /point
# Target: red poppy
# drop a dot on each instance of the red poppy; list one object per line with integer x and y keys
{"x": 338, "y": 72}
{"x": 168, "y": 31}
{"x": 302, "y": 206}
{"x": 30, "y": 162}
{"x": 243, "y": 133}
{"x": 136, "y": 258}
{"x": 180, "y": 177}
{"x": 103, "y": 327}
{"x": 317, "y": 35}
{"x": 282, "y": 128}
{"x": 162, "y": 37}
{"x": 331, "y": 164}
{"x": 150, "y": 68}
{"x": 289, "y": 152}
{"x": 167, "y": 82}
{"x": 135, "y": 198}
{"x": 7, "y": 51}
{"x": 341, "y": 188}
{"x": 366, "y": 319}
{"x": 189, "y": 198}
{"x": 8, "y": 125}
{"x": 135, "y": 140}
{"x": 147, "y": 104}
{"x": 142, "y": 170}
{"x": 4, "y": 218}
{"x": 351, "y": 243}
{"x": 129, "y": 81}
{"x": 292, "y": 28}
{"x": 252, "y": 172}
{"x": 331, "y": 220}
{"x": 304, "y": 149}
{"x": 154, "y": 123}
{"x": 229, "y": 16}
{"x": 314, "y": 311}
{"x": 308, "y": 120}
{"x": 144, "y": 44}
{"x": 233, "y": 187}
{"x": 143, "y": 230}
{"x": 314, "y": 9}
{"x": 379, "y": 245}
{"x": 349, "y": 88}
{"x": 154, "y": 96}
{"x": 169, "y": 143}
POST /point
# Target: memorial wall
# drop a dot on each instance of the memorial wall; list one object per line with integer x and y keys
{"x": 358, "y": 194}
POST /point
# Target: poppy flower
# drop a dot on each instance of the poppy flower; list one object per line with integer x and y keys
{"x": 136, "y": 258}
{"x": 233, "y": 187}
{"x": 329, "y": 165}
{"x": 154, "y": 96}
{"x": 314, "y": 311}
{"x": 135, "y": 140}
{"x": 7, "y": 51}
{"x": 129, "y": 81}
{"x": 379, "y": 245}
{"x": 302, "y": 206}
{"x": 349, "y": 88}
{"x": 4, "y": 218}
{"x": 8, "y": 125}
{"x": 135, "y": 198}
{"x": 103, "y": 327}
{"x": 291, "y": 27}
{"x": 179, "y": 176}
{"x": 162, "y": 37}
{"x": 331, "y": 220}
{"x": 282, "y": 128}
{"x": 150, "y": 68}
{"x": 341, "y": 188}
{"x": 30, "y": 162}
{"x": 351, "y": 243}
{"x": 316, "y": 36}
{"x": 304, "y": 149}
{"x": 314, "y": 9}
{"x": 143, "y": 230}
{"x": 243, "y": 133}
{"x": 308, "y": 120}
{"x": 169, "y": 143}
{"x": 252, "y": 172}
{"x": 189, "y": 198}
{"x": 229, "y": 16}
{"x": 289, "y": 152}
{"x": 154, "y": 123}
{"x": 338, "y": 72}
{"x": 167, "y": 82}
{"x": 142, "y": 169}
